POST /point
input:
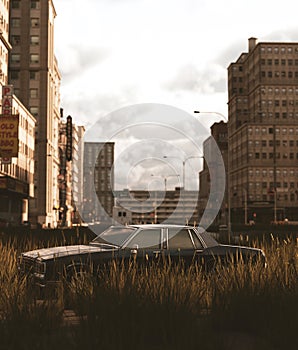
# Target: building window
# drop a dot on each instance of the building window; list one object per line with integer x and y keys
{"x": 15, "y": 4}
{"x": 15, "y": 58}
{"x": 34, "y": 22}
{"x": 15, "y": 40}
{"x": 33, "y": 93}
{"x": 34, "y": 40}
{"x": 34, "y": 4}
{"x": 14, "y": 75}
{"x": 34, "y": 58}
{"x": 15, "y": 22}
{"x": 33, "y": 75}
{"x": 276, "y": 61}
{"x": 34, "y": 111}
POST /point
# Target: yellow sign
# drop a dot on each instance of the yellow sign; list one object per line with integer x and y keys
{"x": 9, "y": 132}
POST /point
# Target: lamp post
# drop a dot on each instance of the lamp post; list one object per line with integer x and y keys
{"x": 165, "y": 177}
{"x": 183, "y": 165}
{"x": 222, "y": 116}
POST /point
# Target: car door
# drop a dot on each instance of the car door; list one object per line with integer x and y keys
{"x": 146, "y": 245}
{"x": 181, "y": 245}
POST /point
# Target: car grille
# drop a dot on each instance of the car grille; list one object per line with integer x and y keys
{"x": 31, "y": 266}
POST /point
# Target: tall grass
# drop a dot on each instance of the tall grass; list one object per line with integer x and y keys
{"x": 157, "y": 307}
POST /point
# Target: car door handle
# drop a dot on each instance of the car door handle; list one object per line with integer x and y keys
{"x": 199, "y": 251}
{"x": 156, "y": 253}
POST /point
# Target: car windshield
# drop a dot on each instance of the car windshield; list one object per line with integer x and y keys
{"x": 114, "y": 235}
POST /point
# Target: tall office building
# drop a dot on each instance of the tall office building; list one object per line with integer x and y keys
{"x": 17, "y": 128}
{"x": 98, "y": 199}
{"x": 263, "y": 132}
{"x": 219, "y": 134}
{"x": 33, "y": 71}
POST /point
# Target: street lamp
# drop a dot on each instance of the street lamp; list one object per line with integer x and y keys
{"x": 165, "y": 177}
{"x": 222, "y": 116}
{"x": 183, "y": 164}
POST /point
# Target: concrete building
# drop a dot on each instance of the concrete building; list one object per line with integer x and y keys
{"x": 219, "y": 134}
{"x": 16, "y": 173}
{"x": 141, "y": 207}
{"x": 33, "y": 71}
{"x": 263, "y": 130}
{"x": 98, "y": 201}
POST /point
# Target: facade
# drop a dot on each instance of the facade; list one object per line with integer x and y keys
{"x": 33, "y": 71}
{"x": 143, "y": 207}
{"x": 263, "y": 131}
{"x": 78, "y": 132}
{"x": 219, "y": 134}
{"x": 16, "y": 173}
{"x": 98, "y": 182}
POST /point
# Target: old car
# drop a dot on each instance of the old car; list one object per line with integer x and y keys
{"x": 141, "y": 243}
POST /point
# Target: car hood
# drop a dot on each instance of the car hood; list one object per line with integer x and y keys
{"x": 57, "y": 252}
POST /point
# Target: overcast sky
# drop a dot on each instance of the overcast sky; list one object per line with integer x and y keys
{"x": 116, "y": 53}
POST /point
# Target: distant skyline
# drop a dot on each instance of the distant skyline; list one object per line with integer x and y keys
{"x": 117, "y": 53}
{"x": 114, "y": 53}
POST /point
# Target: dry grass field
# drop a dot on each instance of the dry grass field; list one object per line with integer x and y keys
{"x": 244, "y": 307}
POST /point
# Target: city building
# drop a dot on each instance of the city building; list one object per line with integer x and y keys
{"x": 16, "y": 173}
{"x": 98, "y": 184}
{"x": 17, "y": 129}
{"x": 219, "y": 134}
{"x": 78, "y": 132}
{"x": 263, "y": 130}
{"x": 142, "y": 207}
{"x": 33, "y": 71}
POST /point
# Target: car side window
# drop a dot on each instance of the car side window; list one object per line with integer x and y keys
{"x": 196, "y": 240}
{"x": 180, "y": 239}
{"x": 146, "y": 239}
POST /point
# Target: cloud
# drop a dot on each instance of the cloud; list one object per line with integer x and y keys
{"x": 76, "y": 60}
{"x": 208, "y": 79}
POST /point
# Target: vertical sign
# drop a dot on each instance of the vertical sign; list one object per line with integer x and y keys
{"x": 7, "y": 92}
{"x": 9, "y": 141}
{"x": 69, "y": 138}
{"x": 9, "y": 127}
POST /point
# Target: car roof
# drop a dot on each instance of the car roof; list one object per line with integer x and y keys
{"x": 160, "y": 226}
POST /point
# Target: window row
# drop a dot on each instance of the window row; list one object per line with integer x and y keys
{"x": 271, "y": 155}
{"x": 276, "y": 62}
{"x": 270, "y": 172}
{"x": 271, "y": 130}
{"x": 279, "y": 74}
{"x": 15, "y": 75}
{"x": 16, "y": 58}
{"x": 271, "y": 143}
{"x": 16, "y": 22}
{"x": 279, "y": 102}
{"x": 34, "y": 4}
{"x": 16, "y": 40}
{"x": 277, "y": 49}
